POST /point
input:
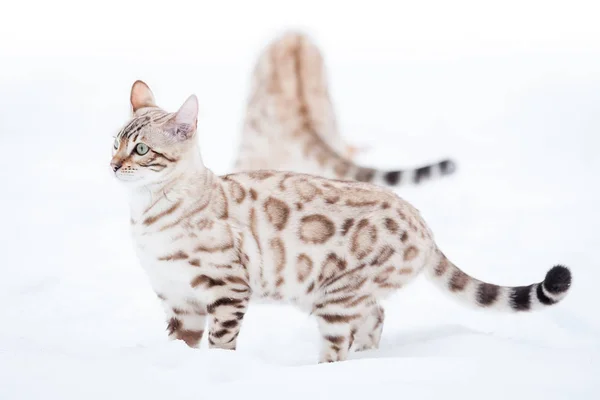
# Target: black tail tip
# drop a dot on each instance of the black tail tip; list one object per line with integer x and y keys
{"x": 447, "y": 167}
{"x": 558, "y": 279}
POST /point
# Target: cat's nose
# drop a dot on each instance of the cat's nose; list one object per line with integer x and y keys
{"x": 115, "y": 166}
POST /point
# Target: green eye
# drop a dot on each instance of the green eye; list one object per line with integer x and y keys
{"x": 116, "y": 144}
{"x": 141, "y": 149}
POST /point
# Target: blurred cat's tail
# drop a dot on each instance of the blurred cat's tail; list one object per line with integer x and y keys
{"x": 408, "y": 176}
{"x": 337, "y": 166}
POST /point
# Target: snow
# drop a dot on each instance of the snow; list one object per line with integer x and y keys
{"x": 514, "y": 97}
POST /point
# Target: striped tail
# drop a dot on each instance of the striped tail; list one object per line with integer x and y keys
{"x": 469, "y": 290}
{"x": 336, "y": 166}
{"x": 412, "y": 176}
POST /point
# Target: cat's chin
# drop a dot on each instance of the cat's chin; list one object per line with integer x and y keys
{"x": 131, "y": 180}
{"x": 137, "y": 182}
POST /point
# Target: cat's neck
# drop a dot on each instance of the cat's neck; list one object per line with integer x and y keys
{"x": 190, "y": 181}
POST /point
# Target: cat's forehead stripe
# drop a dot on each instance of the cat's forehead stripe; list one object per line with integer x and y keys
{"x": 134, "y": 126}
{"x": 140, "y": 122}
{"x": 162, "y": 117}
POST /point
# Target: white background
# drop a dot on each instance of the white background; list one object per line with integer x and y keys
{"x": 510, "y": 90}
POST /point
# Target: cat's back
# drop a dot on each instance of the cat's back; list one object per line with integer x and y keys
{"x": 289, "y": 192}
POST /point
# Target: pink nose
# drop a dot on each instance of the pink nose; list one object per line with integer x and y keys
{"x": 115, "y": 166}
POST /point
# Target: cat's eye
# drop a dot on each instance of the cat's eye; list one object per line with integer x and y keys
{"x": 116, "y": 144}
{"x": 141, "y": 149}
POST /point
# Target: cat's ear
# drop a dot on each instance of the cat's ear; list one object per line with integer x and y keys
{"x": 184, "y": 125}
{"x": 141, "y": 96}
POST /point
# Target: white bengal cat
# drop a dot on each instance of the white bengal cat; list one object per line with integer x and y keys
{"x": 334, "y": 248}
{"x": 290, "y": 122}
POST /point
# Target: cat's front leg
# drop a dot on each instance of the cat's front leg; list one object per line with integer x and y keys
{"x": 226, "y": 315}
{"x": 186, "y": 320}
{"x": 227, "y": 302}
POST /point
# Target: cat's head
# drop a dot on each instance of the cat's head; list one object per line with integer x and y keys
{"x": 152, "y": 143}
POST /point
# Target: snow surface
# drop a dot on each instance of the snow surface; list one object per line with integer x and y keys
{"x": 513, "y": 94}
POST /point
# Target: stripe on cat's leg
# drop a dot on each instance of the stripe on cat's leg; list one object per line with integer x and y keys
{"x": 226, "y": 316}
{"x": 335, "y": 327}
{"x": 366, "y": 333}
{"x": 185, "y": 322}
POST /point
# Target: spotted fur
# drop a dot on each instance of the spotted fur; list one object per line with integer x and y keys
{"x": 210, "y": 244}
{"x": 290, "y": 122}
